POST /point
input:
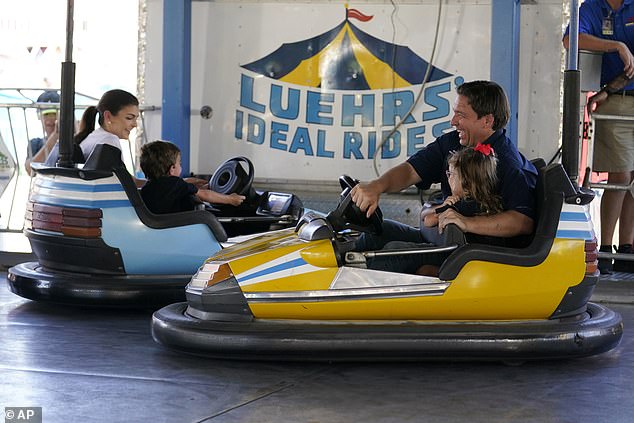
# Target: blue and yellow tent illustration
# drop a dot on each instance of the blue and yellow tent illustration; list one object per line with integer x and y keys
{"x": 346, "y": 58}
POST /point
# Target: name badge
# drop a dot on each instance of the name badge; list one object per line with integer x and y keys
{"x": 607, "y": 28}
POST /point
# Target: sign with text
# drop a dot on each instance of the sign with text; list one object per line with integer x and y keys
{"x": 361, "y": 88}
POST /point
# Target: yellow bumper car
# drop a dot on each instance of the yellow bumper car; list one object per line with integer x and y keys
{"x": 305, "y": 294}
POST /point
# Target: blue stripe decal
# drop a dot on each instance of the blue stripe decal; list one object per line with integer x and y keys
{"x": 572, "y": 234}
{"x": 80, "y": 187}
{"x": 574, "y": 217}
{"x": 66, "y": 202}
{"x": 283, "y": 266}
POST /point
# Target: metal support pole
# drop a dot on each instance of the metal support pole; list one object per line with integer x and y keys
{"x": 616, "y": 256}
{"x": 572, "y": 93}
{"x": 67, "y": 104}
{"x": 615, "y": 187}
{"x": 573, "y": 36}
{"x": 176, "y": 106}
{"x": 505, "y": 19}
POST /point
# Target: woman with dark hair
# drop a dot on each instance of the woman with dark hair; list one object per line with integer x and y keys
{"x": 116, "y": 113}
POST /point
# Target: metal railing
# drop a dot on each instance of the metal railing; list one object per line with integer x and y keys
{"x": 605, "y": 186}
{"x": 19, "y": 124}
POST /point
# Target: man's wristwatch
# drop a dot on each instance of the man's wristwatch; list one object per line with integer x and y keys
{"x": 606, "y": 89}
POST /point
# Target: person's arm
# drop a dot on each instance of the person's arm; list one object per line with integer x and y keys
{"x": 43, "y": 152}
{"x": 505, "y": 224}
{"x": 593, "y": 43}
{"x": 199, "y": 183}
{"x": 366, "y": 196}
{"x": 429, "y": 216}
{"x": 140, "y": 183}
{"x": 615, "y": 85}
{"x": 214, "y": 197}
{"x": 430, "y": 220}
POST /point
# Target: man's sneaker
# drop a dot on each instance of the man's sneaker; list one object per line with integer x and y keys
{"x": 605, "y": 264}
{"x": 624, "y": 265}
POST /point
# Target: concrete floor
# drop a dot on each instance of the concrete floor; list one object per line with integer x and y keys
{"x": 101, "y": 365}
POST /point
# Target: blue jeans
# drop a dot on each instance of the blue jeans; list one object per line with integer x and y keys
{"x": 395, "y": 231}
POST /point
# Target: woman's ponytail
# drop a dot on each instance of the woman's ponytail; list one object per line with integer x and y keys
{"x": 87, "y": 124}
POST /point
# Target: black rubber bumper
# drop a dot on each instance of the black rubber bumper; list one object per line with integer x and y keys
{"x": 597, "y": 330}
{"x": 31, "y": 281}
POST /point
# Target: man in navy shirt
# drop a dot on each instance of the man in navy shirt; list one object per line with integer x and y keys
{"x": 607, "y": 26}
{"x": 481, "y": 111}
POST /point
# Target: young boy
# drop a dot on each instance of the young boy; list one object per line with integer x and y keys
{"x": 166, "y": 191}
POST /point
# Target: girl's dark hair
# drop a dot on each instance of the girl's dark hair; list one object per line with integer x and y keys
{"x": 112, "y": 101}
{"x": 487, "y": 98}
{"x": 157, "y": 157}
{"x": 478, "y": 174}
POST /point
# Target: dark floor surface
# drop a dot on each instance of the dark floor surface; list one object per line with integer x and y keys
{"x": 97, "y": 365}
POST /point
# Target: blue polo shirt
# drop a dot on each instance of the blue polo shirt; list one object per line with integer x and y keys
{"x": 593, "y": 15}
{"x": 516, "y": 175}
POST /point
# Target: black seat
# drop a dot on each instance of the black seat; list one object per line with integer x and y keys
{"x": 553, "y": 185}
{"x": 107, "y": 158}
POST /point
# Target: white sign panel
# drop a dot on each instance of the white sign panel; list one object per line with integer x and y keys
{"x": 311, "y": 91}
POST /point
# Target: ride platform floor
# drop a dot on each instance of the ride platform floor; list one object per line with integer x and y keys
{"x": 101, "y": 365}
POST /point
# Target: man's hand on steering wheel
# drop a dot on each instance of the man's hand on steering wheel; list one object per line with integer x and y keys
{"x": 366, "y": 197}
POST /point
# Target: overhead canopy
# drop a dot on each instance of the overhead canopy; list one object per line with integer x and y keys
{"x": 345, "y": 58}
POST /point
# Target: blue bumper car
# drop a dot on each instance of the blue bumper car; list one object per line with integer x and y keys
{"x": 96, "y": 243}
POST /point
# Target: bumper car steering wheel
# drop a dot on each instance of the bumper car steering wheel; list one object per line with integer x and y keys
{"x": 230, "y": 177}
{"x": 348, "y": 215}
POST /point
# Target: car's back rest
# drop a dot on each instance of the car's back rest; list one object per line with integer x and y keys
{"x": 108, "y": 158}
{"x": 552, "y": 186}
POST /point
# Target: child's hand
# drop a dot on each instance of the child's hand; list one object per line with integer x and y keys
{"x": 235, "y": 199}
{"x": 451, "y": 200}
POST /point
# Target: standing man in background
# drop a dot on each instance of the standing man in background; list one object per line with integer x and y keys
{"x": 39, "y": 148}
{"x": 607, "y": 26}
{"x": 49, "y": 121}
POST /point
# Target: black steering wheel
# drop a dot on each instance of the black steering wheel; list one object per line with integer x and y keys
{"x": 230, "y": 177}
{"x": 349, "y": 215}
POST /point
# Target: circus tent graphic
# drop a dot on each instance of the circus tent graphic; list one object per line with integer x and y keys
{"x": 346, "y": 58}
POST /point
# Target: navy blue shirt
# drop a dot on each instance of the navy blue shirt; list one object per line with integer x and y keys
{"x": 35, "y": 145}
{"x": 597, "y": 18}
{"x": 516, "y": 175}
{"x": 168, "y": 194}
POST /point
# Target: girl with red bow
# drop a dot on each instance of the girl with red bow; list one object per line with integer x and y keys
{"x": 473, "y": 180}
